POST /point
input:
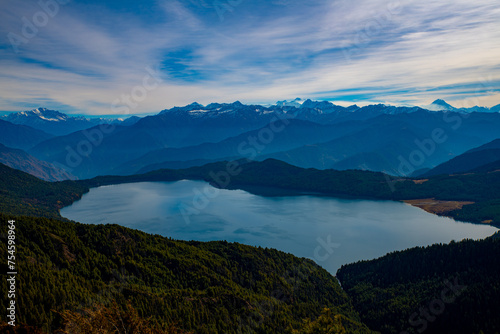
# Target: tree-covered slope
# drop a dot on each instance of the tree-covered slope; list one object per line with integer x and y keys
{"x": 437, "y": 289}
{"x": 73, "y": 274}
{"x": 215, "y": 287}
{"x": 24, "y": 194}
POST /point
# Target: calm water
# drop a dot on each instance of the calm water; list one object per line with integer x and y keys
{"x": 330, "y": 231}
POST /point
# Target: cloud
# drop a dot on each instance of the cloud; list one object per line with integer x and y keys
{"x": 90, "y": 54}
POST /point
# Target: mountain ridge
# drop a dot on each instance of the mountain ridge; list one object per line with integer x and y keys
{"x": 19, "y": 159}
{"x": 470, "y": 160}
{"x": 442, "y": 105}
{"x": 57, "y": 123}
{"x": 21, "y": 136}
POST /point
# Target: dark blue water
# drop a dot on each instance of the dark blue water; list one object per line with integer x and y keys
{"x": 328, "y": 230}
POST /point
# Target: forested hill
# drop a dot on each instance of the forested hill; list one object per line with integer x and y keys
{"x": 24, "y": 194}
{"x": 437, "y": 289}
{"x": 83, "y": 278}
{"x": 74, "y": 276}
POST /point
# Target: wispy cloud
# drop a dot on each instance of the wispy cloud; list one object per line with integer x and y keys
{"x": 408, "y": 51}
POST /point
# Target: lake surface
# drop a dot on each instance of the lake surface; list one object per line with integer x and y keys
{"x": 330, "y": 231}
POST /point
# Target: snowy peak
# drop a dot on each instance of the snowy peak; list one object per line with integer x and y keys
{"x": 309, "y": 110}
{"x": 57, "y": 123}
{"x": 41, "y": 113}
{"x": 441, "y": 105}
{"x": 297, "y": 103}
{"x": 323, "y": 107}
{"x": 213, "y": 110}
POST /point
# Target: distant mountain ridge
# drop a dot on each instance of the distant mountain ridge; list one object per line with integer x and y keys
{"x": 441, "y": 105}
{"x": 382, "y": 143}
{"x": 21, "y": 136}
{"x": 296, "y": 134}
{"x": 57, "y": 123}
{"x": 183, "y": 135}
{"x": 473, "y": 160}
{"x": 20, "y": 160}
{"x": 324, "y": 112}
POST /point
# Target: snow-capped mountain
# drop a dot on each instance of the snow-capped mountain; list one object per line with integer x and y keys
{"x": 43, "y": 114}
{"x": 218, "y": 130}
{"x": 244, "y": 117}
{"x": 297, "y": 103}
{"x": 57, "y": 123}
{"x": 327, "y": 107}
{"x": 441, "y": 105}
{"x": 323, "y": 112}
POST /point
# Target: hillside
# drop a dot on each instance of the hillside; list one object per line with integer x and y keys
{"x": 59, "y": 124}
{"x": 381, "y": 143}
{"x": 295, "y": 133}
{"x": 488, "y": 168}
{"x": 74, "y": 276}
{"x": 437, "y": 289}
{"x": 20, "y": 136}
{"x": 18, "y": 159}
{"x": 470, "y": 160}
{"x": 216, "y": 287}
{"x": 24, "y": 194}
{"x": 82, "y": 276}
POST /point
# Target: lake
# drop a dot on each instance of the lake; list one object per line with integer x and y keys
{"x": 328, "y": 230}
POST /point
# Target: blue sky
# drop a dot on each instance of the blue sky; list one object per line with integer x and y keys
{"x": 116, "y": 57}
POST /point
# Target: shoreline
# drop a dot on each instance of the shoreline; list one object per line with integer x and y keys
{"x": 437, "y": 207}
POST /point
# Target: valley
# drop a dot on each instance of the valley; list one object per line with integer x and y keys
{"x": 172, "y": 231}
{"x": 249, "y": 167}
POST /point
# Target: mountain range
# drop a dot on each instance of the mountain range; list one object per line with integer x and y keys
{"x": 318, "y": 134}
{"x": 57, "y": 123}
{"x": 192, "y": 286}
{"x": 220, "y": 287}
{"x": 441, "y": 105}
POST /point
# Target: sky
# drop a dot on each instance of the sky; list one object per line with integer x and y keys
{"x": 139, "y": 57}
